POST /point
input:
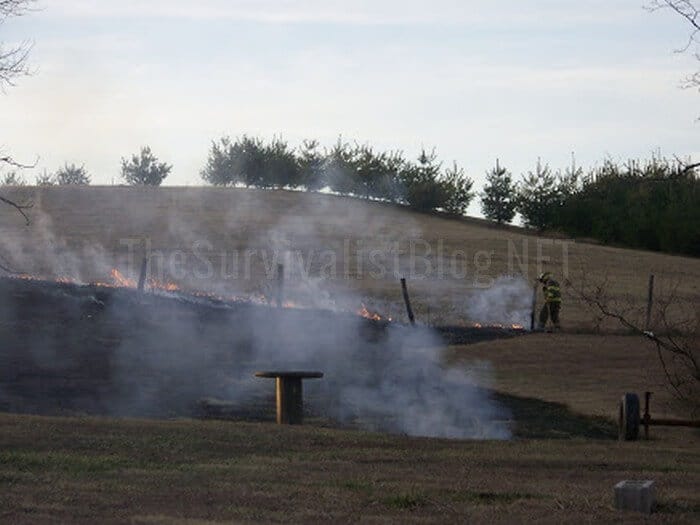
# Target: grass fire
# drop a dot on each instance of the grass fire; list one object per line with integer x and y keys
{"x": 320, "y": 261}
{"x": 88, "y": 333}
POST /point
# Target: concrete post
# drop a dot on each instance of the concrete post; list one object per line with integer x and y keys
{"x": 634, "y": 495}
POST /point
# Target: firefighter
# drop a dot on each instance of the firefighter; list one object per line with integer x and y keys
{"x": 552, "y": 301}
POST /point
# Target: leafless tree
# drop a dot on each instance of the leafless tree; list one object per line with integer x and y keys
{"x": 675, "y": 337}
{"x": 689, "y": 10}
{"x": 13, "y": 60}
{"x": 13, "y": 63}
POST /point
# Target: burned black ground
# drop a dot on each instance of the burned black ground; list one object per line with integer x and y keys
{"x": 92, "y": 349}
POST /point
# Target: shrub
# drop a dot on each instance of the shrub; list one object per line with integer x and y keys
{"x": 219, "y": 170}
{"x": 71, "y": 175}
{"x": 12, "y": 179}
{"x": 457, "y": 189}
{"x": 539, "y": 197}
{"x": 310, "y": 162}
{"x": 422, "y": 189}
{"x": 499, "y": 199}
{"x": 144, "y": 169}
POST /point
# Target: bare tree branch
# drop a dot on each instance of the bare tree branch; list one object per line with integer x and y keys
{"x": 13, "y": 61}
{"x": 687, "y": 167}
{"x": 5, "y": 266}
{"x": 19, "y": 207}
{"x": 10, "y": 8}
{"x": 9, "y": 160}
{"x": 689, "y": 11}
{"x": 685, "y": 8}
{"x": 677, "y": 347}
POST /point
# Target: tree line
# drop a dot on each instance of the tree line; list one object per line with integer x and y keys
{"x": 651, "y": 204}
{"x": 142, "y": 169}
{"x": 347, "y": 169}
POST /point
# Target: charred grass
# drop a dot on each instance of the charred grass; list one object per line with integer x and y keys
{"x": 561, "y": 390}
{"x": 233, "y": 220}
{"x": 560, "y": 467}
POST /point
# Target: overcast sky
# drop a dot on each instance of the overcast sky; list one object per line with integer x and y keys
{"x": 475, "y": 79}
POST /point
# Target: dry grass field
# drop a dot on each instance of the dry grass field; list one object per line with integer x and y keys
{"x": 558, "y": 471}
{"x": 561, "y": 389}
{"x": 360, "y": 248}
{"x": 587, "y": 373}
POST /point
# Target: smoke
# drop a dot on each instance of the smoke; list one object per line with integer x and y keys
{"x": 409, "y": 390}
{"x": 38, "y": 250}
{"x": 507, "y": 301}
{"x": 161, "y": 355}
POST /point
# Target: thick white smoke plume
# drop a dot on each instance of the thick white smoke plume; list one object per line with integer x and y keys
{"x": 169, "y": 353}
{"x": 412, "y": 392}
{"x": 508, "y": 301}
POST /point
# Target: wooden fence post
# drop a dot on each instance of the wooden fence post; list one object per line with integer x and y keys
{"x": 280, "y": 285}
{"x": 407, "y": 300}
{"x": 650, "y": 301}
{"x": 142, "y": 275}
{"x": 534, "y": 307}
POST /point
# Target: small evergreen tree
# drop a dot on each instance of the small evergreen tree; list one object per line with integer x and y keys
{"x": 499, "y": 197}
{"x": 12, "y": 179}
{"x": 539, "y": 197}
{"x": 339, "y": 169}
{"x": 144, "y": 169}
{"x": 368, "y": 168}
{"x": 247, "y": 159}
{"x": 572, "y": 180}
{"x": 280, "y": 168}
{"x": 457, "y": 189}
{"x": 45, "y": 179}
{"x": 310, "y": 165}
{"x": 72, "y": 175}
{"x": 422, "y": 188}
{"x": 389, "y": 185}
{"x": 218, "y": 170}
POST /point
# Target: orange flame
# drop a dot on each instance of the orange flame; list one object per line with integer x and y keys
{"x": 510, "y": 326}
{"x": 364, "y": 312}
{"x": 290, "y": 304}
{"x": 158, "y": 285}
{"x": 120, "y": 280}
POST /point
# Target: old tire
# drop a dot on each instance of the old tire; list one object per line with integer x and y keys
{"x": 628, "y": 418}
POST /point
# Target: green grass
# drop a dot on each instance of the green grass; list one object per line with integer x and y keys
{"x": 406, "y": 501}
{"x": 68, "y": 469}
{"x": 493, "y": 498}
{"x": 71, "y": 464}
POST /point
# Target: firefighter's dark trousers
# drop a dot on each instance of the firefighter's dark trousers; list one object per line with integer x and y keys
{"x": 550, "y": 311}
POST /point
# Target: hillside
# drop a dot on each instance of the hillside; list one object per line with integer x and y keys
{"x": 352, "y": 251}
{"x": 79, "y": 350}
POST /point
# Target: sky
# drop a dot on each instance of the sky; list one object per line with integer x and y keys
{"x": 476, "y": 80}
